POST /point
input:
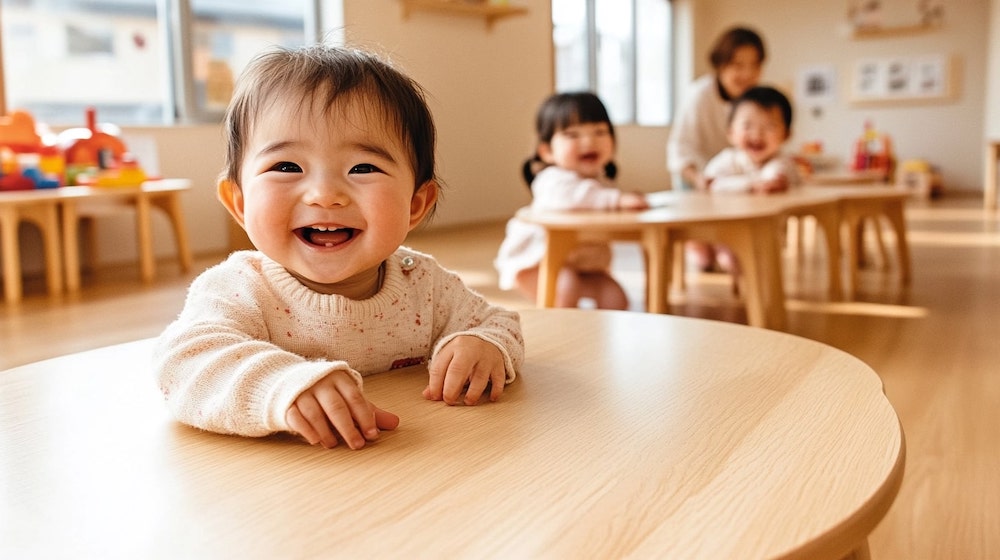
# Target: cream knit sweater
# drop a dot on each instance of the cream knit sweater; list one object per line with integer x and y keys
{"x": 251, "y": 338}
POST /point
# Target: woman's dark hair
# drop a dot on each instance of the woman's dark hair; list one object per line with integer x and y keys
{"x": 729, "y": 42}
{"x": 560, "y": 111}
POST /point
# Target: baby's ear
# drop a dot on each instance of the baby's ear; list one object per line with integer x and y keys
{"x": 231, "y": 196}
{"x": 423, "y": 201}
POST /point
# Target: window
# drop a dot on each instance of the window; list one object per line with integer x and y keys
{"x": 138, "y": 61}
{"x": 619, "y": 49}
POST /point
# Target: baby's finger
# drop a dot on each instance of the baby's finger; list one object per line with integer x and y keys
{"x": 454, "y": 382}
{"x": 385, "y": 420}
{"x": 477, "y": 384}
{"x": 436, "y": 375}
{"x": 498, "y": 379}
{"x": 313, "y": 426}
{"x": 343, "y": 414}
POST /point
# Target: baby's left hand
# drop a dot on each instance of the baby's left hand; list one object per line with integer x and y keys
{"x": 466, "y": 360}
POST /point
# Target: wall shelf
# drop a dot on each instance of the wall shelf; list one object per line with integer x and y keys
{"x": 489, "y": 12}
{"x": 894, "y": 31}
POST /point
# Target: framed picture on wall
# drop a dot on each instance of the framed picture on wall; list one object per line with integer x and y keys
{"x": 913, "y": 78}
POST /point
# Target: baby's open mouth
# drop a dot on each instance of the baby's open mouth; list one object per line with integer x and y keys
{"x": 326, "y": 236}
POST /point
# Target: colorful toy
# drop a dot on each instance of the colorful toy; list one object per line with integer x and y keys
{"x": 96, "y": 157}
{"x": 873, "y": 152}
{"x": 25, "y": 161}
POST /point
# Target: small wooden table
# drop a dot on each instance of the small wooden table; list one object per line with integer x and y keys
{"x": 40, "y": 207}
{"x": 626, "y": 434}
{"x": 43, "y": 208}
{"x": 750, "y": 225}
{"x": 163, "y": 194}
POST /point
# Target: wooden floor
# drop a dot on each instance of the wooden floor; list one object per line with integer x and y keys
{"x": 936, "y": 345}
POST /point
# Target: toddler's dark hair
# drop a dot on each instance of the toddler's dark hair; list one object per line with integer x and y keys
{"x": 327, "y": 75}
{"x": 562, "y": 110}
{"x": 766, "y": 98}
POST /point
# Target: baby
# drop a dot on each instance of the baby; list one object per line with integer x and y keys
{"x": 759, "y": 124}
{"x": 330, "y": 164}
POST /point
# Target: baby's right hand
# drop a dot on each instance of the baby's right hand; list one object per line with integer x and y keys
{"x": 633, "y": 201}
{"x": 336, "y": 406}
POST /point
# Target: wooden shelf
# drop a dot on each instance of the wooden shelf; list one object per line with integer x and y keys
{"x": 489, "y": 12}
{"x": 894, "y": 31}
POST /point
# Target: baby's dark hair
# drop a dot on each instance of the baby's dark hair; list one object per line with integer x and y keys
{"x": 328, "y": 75}
{"x": 766, "y": 98}
{"x": 729, "y": 42}
{"x": 560, "y": 111}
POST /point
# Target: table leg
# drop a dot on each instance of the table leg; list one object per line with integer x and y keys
{"x": 170, "y": 203}
{"x": 558, "y": 246}
{"x": 659, "y": 256}
{"x": 71, "y": 245}
{"x": 765, "y": 288}
{"x": 990, "y": 181}
{"x": 47, "y": 218}
{"x": 829, "y": 220}
{"x": 144, "y": 235}
{"x": 11, "y": 250}
{"x": 893, "y": 210}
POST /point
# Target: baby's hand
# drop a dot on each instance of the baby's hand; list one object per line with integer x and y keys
{"x": 466, "y": 360}
{"x": 773, "y": 185}
{"x": 337, "y": 402}
{"x": 633, "y": 201}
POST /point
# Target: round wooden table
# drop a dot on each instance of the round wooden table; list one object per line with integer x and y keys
{"x": 626, "y": 434}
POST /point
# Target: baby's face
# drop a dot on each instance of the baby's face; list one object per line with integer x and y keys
{"x": 757, "y": 131}
{"x": 585, "y": 148}
{"x": 329, "y": 194}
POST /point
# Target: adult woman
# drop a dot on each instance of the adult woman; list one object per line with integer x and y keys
{"x": 699, "y": 131}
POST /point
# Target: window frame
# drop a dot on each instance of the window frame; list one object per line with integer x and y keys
{"x": 175, "y": 22}
{"x": 592, "y": 38}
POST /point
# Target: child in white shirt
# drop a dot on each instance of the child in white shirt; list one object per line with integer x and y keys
{"x": 759, "y": 125}
{"x": 330, "y": 163}
{"x": 571, "y": 170}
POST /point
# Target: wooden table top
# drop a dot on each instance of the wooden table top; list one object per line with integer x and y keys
{"x": 79, "y": 191}
{"x": 692, "y": 207}
{"x": 626, "y": 434}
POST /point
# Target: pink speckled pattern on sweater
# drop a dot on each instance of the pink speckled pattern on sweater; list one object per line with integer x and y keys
{"x": 251, "y": 338}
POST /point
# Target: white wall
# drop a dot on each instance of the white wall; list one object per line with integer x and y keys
{"x": 799, "y": 34}
{"x": 992, "y": 106}
{"x": 483, "y": 87}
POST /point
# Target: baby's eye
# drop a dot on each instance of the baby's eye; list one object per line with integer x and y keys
{"x": 286, "y": 167}
{"x": 364, "y": 168}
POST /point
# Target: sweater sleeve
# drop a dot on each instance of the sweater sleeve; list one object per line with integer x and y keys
{"x": 461, "y": 312}
{"x": 216, "y": 368}
{"x": 725, "y": 174}
{"x": 560, "y": 189}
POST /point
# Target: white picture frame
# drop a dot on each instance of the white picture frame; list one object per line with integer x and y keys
{"x": 906, "y": 78}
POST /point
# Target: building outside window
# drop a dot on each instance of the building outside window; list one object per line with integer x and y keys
{"x": 138, "y": 61}
{"x": 620, "y": 50}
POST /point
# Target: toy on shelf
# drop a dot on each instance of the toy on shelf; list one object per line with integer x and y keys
{"x": 26, "y": 162}
{"x": 873, "y": 152}
{"x": 97, "y": 156}
{"x": 920, "y": 178}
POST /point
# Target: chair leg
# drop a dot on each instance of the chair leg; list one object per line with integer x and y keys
{"x": 11, "y": 254}
{"x": 170, "y": 203}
